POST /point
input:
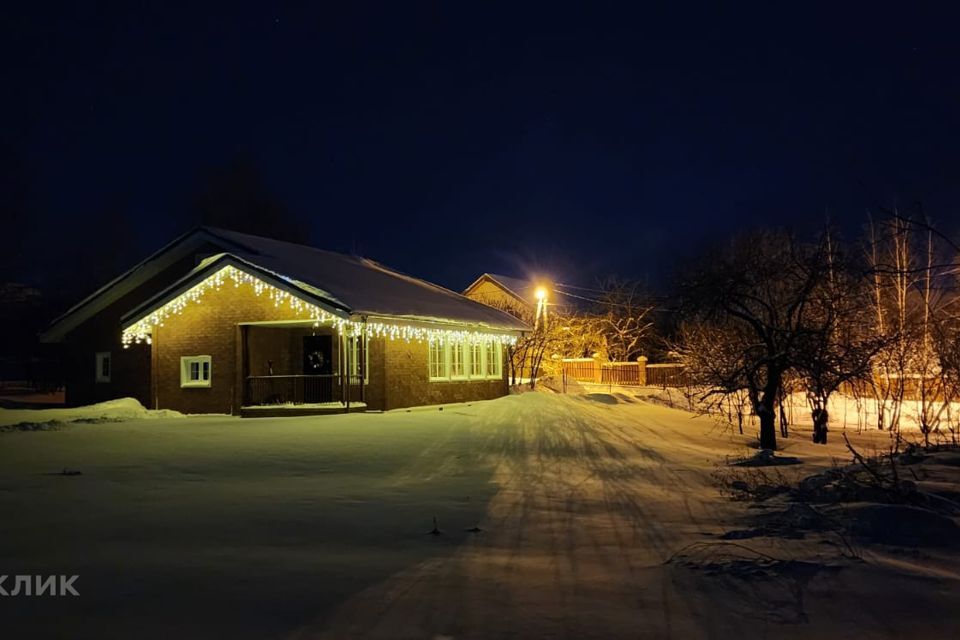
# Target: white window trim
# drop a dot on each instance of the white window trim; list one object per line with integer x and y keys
{"x": 445, "y": 362}
{"x": 464, "y": 360}
{"x": 98, "y": 359}
{"x": 481, "y": 354}
{"x": 468, "y": 375}
{"x": 498, "y": 368}
{"x": 186, "y": 382}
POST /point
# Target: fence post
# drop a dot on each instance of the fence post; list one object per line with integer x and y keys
{"x": 597, "y": 368}
{"x": 642, "y": 370}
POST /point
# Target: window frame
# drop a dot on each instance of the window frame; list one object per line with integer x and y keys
{"x": 497, "y": 360}
{"x": 464, "y": 353}
{"x": 436, "y": 346}
{"x": 99, "y": 358}
{"x": 468, "y": 350}
{"x": 478, "y": 356}
{"x": 186, "y": 379}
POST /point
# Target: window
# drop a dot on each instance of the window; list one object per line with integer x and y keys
{"x": 103, "y": 366}
{"x": 353, "y": 359}
{"x": 465, "y": 361}
{"x": 494, "y": 359}
{"x": 438, "y": 360}
{"x": 476, "y": 360}
{"x": 458, "y": 357}
{"x": 195, "y": 371}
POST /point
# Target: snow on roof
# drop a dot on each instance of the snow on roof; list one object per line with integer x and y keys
{"x": 364, "y": 286}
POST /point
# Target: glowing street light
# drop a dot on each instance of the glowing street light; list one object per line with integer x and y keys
{"x": 541, "y": 295}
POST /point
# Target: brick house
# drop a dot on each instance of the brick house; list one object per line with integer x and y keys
{"x": 504, "y": 292}
{"x": 225, "y": 322}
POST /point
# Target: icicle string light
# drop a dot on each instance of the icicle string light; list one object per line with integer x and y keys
{"x": 142, "y": 330}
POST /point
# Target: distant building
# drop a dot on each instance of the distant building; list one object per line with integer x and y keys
{"x": 226, "y": 322}
{"x": 508, "y": 292}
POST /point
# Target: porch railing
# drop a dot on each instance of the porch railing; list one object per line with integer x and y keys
{"x": 297, "y": 389}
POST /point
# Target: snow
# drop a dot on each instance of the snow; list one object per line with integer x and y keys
{"x": 110, "y": 411}
{"x": 308, "y": 405}
{"x": 599, "y": 517}
{"x": 845, "y": 412}
{"x": 364, "y": 286}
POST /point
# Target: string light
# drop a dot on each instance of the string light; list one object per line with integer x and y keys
{"x": 141, "y": 331}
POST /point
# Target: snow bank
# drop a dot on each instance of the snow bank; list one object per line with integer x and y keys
{"x": 110, "y": 411}
{"x": 845, "y": 412}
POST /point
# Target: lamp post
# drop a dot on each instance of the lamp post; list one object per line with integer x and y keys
{"x": 541, "y": 295}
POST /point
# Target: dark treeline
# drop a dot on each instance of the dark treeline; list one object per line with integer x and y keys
{"x": 47, "y": 268}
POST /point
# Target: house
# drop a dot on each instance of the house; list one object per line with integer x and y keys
{"x": 225, "y": 322}
{"x": 504, "y": 292}
{"x": 521, "y": 296}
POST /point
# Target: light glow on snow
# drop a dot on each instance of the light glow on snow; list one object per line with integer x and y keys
{"x": 141, "y": 331}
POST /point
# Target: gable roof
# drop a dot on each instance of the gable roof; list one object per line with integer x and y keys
{"x": 178, "y": 249}
{"x": 525, "y": 290}
{"x": 347, "y": 285}
{"x": 522, "y": 288}
{"x": 360, "y": 286}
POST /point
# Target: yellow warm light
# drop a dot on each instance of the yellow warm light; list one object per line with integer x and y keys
{"x": 141, "y": 331}
{"x": 540, "y": 293}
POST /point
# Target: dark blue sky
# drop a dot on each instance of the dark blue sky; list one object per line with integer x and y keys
{"x": 451, "y": 139}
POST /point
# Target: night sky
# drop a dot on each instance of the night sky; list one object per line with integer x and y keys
{"x": 451, "y": 140}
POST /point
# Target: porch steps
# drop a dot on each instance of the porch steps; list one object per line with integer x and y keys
{"x": 281, "y": 411}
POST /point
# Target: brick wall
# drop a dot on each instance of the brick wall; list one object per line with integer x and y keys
{"x": 408, "y": 383}
{"x": 284, "y": 347}
{"x": 210, "y": 328}
{"x": 131, "y": 367}
{"x": 493, "y": 295}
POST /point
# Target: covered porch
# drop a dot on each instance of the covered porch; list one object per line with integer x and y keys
{"x": 298, "y": 368}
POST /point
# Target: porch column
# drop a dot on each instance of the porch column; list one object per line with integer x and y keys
{"x": 244, "y": 365}
{"x": 344, "y": 373}
{"x": 362, "y": 355}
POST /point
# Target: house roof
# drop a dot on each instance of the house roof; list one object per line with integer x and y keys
{"x": 178, "y": 249}
{"x": 525, "y": 290}
{"x": 522, "y": 288}
{"x": 361, "y": 286}
{"x": 350, "y": 285}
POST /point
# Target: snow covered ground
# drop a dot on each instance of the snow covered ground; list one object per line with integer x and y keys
{"x": 110, "y": 411}
{"x": 599, "y": 517}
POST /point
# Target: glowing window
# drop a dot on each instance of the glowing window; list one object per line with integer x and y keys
{"x": 476, "y": 360}
{"x": 195, "y": 371}
{"x": 438, "y": 360}
{"x": 494, "y": 353}
{"x": 458, "y": 358}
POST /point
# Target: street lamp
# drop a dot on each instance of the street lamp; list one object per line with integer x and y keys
{"x": 541, "y": 295}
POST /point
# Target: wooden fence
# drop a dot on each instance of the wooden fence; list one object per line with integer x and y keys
{"x": 637, "y": 373}
{"x": 666, "y": 375}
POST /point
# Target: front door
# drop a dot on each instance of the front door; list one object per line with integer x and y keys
{"x": 318, "y": 367}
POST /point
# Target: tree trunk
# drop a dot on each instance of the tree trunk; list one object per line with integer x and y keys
{"x": 766, "y": 410}
{"x": 768, "y": 430}
{"x": 820, "y": 419}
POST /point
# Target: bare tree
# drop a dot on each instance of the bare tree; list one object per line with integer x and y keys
{"x": 624, "y": 318}
{"x": 836, "y": 346}
{"x": 749, "y": 308}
